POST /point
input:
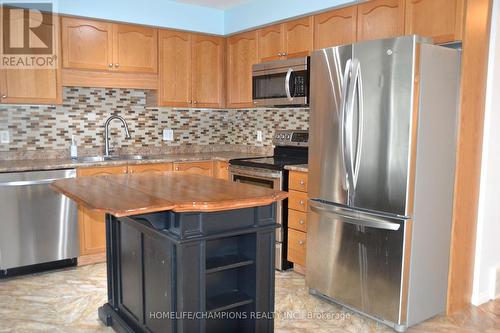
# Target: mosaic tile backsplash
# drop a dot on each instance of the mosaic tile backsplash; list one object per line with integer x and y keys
{"x": 84, "y": 111}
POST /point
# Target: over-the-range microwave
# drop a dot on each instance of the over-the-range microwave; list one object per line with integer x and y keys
{"x": 281, "y": 83}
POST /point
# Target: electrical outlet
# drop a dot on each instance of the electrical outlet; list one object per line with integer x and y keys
{"x": 168, "y": 135}
{"x": 259, "y": 136}
{"x": 4, "y": 137}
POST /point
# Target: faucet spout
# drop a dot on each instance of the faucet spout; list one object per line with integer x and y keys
{"x": 106, "y": 132}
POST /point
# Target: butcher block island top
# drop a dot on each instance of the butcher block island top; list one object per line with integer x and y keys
{"x": 132, "y": 194}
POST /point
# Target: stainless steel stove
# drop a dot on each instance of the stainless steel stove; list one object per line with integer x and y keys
{"x": 290, "y": 148}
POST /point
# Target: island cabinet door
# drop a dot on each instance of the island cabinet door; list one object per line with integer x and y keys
{"x": 153, "y": 167}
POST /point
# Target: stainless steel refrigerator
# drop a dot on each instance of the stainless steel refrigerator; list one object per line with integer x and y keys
{"x": 383, "y": 123}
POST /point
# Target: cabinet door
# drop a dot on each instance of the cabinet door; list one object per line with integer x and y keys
{"x": 135, "y": 48}
{"x": 34, "y": 86}
{"x": 242, "y": 53}
{"x": 221, "y": 170}
{"x": 440, "y": 19}
{"x": 198, "y": 168}
{"x": 175, "y": 68}
{"x": 380, "y": 19}
{"x": 271, "y": 43}
{"x": 154, "y": 167}
{"x": 299, "y": 37}
{"x": 208, "y": 70}
{"x": 92, "y": 223}
{"x": 336, "y": 27}
{"x": 87, "y": 44}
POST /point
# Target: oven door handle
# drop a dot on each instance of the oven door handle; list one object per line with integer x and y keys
{"x": 254, "y": 173}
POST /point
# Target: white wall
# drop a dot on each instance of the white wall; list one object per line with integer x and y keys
{"x": 488, "y": 228}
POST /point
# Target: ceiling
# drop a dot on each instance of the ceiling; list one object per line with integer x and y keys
{"x": 218, "y": 4}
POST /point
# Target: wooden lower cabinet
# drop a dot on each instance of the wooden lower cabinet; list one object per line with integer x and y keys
{"x": 198, "y": 168}
{"x": 154, "y": 167}
{"x": 297, "y": 220}
{"x": 92, "y": 225}
{"x": 221, "y": 170}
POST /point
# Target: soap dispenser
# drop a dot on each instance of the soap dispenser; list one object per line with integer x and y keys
{"x": 73, "y": 148}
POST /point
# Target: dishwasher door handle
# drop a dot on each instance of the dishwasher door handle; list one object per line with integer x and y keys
{"x": 29, "y": 182}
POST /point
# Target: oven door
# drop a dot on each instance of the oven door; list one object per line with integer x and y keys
{"x": 264, "y": 178}
{"x": 280, "y": 84}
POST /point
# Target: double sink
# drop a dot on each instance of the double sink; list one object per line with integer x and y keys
{"x": 89, "y": 159}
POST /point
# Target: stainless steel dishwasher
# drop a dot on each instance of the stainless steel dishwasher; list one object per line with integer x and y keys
{"x": 38, "y": 226}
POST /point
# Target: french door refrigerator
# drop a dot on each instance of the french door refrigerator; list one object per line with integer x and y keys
{"x": 383, "y": 122}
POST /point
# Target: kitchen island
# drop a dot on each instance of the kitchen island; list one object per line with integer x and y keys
{"x": 185, "y": 253}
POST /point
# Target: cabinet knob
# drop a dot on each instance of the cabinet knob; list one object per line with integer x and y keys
{"x": 176, "y": 168}
{"x": 279, "y": 54}
{"x": 110, "y": 65}
{"x": 190, "y": 102}
{"x": 284, "y": 54}
{"x": 302, "y": 182}
{"x": 227, "y": 168}
{"x": 301, "y": 222}
{"x": 195, "y": 102}
{"x": 4, "y": 96}
{"x": 301, "y": 202}
{"x": 301, "y": 242}
{"x": 116, "y": 65}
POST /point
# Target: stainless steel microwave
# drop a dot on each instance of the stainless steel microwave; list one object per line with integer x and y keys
{"x": 281, "y": 83}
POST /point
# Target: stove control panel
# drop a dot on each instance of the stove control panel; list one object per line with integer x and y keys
{"x": 294, "y": 138}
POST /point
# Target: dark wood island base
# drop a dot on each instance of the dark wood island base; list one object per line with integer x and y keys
{"x": 185, "y": 253}
{"x": 191, "y": 272}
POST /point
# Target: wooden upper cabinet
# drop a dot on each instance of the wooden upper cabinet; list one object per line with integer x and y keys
{"x": 440, "y": 19}
{"x": 242, "y": 53}
{"x": 98, "y": 45}
{"x": 380, "y": 19}
{"x": 208, "y": 70}
{"x": 299, "y": 37}
{"x": 287, "y": 40}
{"x": 34, "y": 86}
{"x": 271, "y": 42}
{"x": 135, "y": 48}
{"x": 175, "y": 68}
{"x": 87, "y": 44}
{"x": 335, "y": 27}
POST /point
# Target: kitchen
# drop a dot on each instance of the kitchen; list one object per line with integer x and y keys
{"x": 188, "y": 102}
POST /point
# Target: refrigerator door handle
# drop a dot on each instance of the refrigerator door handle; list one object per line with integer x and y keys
{"x": 343, "y": 128}
{"x": 358, "y": 84}
{"x": 357, "y": 218}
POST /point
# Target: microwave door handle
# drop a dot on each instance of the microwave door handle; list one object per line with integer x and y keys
{"x": 287, "y": 84}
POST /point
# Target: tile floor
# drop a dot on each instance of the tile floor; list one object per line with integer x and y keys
{"x": 67, "y": 301}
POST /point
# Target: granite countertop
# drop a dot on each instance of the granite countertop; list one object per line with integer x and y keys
{"x": 125, "y": 195}
{"x": 52, "y": 164}
{"x": 299, "y": 167}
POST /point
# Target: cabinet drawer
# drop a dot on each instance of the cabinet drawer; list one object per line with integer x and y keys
{"x": 297, "y": 246}
{"x": 297, "y": 200}
{"x": 298, "y": 181}
{"x": 297, "y": 220}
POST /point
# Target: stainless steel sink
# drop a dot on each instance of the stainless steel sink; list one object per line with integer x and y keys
{"x": 90, "y": 159}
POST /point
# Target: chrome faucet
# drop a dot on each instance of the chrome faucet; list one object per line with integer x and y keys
{"x": 106, "y": 132}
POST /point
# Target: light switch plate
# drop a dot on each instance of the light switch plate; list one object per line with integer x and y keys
{"x": 4, "y": 137}
{"x": 168, "y": 134}
{"x": 259, "y": 136}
